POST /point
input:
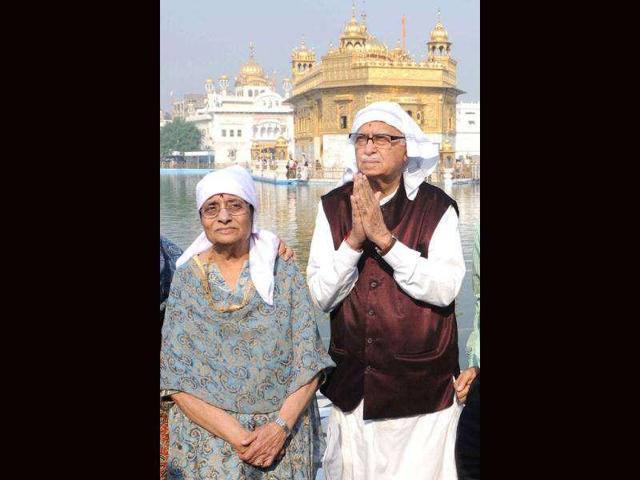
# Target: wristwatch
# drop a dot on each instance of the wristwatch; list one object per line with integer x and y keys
{"x": 280, "y": 421}
{"x": 382, "y": 253}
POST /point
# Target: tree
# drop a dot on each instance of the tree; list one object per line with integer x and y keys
{"x": 179, "y": 135}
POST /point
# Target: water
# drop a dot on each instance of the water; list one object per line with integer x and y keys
{"x": 290, "y": 211}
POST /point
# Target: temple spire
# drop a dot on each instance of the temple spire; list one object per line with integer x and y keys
{"x": 252, "y": 50}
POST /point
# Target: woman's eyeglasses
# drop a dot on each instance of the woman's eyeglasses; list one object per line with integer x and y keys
{"x": 234, "y": 207}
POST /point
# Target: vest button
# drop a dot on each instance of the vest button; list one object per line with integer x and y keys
{"x": 373, "y": 284}
{"x": 369, "y": 340}
{"x": 371, "y": 313}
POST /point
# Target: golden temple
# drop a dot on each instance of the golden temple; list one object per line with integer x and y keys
{"x": 361, "y": 70}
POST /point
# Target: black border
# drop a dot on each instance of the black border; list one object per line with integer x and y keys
{"x": 82, "y": 346}
{"x": 82, "y": 366}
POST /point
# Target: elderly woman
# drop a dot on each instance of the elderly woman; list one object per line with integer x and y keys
{"x": 241, "y": 353}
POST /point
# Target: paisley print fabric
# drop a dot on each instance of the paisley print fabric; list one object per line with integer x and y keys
{"x": 246, "y": 361}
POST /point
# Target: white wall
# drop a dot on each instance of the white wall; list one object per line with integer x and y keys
{"x": 467, "y": 128}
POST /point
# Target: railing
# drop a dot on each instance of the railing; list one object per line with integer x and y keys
{"x": 333, "y": 173}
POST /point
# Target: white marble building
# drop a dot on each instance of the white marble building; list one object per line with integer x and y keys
{"x": 249, "y": 115}
{"x": 467, "y": 129}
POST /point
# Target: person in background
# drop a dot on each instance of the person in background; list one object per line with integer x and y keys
{"x": 169, "y": 253}
{"x": 468, "y": 387}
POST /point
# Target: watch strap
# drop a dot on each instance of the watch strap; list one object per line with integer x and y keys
{"x": 382, "y": 253}
{"x": 280, "y": 421}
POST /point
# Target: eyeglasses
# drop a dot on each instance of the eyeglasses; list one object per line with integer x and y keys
{"x": 233, "y": 207}
{"x": 380, "y": 140}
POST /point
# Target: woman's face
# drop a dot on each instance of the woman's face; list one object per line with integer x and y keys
{"x": 226, "y": 219}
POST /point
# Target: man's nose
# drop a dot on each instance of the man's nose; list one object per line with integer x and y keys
{"x": 369, "y": 147}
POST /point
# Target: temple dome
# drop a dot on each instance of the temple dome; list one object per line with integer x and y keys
{"x": 251, "y": 74}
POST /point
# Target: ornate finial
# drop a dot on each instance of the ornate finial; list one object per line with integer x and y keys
{"x": 363, "y": 15}
{"x": 302, "y": 42}
{"x": 439, "y": 15}
{"x": 252, "y": 50}
{"x": 353, "y": 9}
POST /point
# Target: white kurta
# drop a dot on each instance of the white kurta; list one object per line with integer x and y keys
{"x": 417, "y": 447}
{"x": 411, "y": 448}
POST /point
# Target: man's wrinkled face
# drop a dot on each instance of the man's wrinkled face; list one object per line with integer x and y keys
{"x": 385, "y": 162}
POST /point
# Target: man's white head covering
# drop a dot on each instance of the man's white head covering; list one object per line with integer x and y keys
{"x": 422, "y": 154}
{"x": 263, "y": 245}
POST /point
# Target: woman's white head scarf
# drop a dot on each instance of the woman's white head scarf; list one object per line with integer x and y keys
{"x": 263, "y": 245}
{"x": 422, "y": 154}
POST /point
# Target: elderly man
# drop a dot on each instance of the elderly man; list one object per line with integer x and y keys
{"x": 386, "y": 261}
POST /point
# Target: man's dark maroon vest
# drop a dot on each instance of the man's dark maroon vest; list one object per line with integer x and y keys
{"x": 397, "y": 352}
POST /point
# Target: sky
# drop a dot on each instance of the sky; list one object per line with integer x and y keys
{"x": 207, "y": 38}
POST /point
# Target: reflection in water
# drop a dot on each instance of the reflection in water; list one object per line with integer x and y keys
{"x": 290, "y": 211}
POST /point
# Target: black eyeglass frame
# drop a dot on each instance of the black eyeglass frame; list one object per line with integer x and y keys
{"x": 392, "y": 138}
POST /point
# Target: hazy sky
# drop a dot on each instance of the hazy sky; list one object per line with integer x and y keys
{"x": 206, "y": 38}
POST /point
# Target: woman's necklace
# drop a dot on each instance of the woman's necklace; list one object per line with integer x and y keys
{"x": 203, "y": 273}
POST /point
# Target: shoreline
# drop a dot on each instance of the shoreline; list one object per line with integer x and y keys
{"x": 293, "y": 182}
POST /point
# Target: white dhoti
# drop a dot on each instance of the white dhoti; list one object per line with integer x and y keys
{"x": 416, "y": 448}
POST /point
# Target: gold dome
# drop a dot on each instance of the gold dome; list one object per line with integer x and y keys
{"x": 353, "y": 29}
{"x": 223, "y": 77}
{"x": 251, "y": 73}
{"x": 251, "y": 69}
{"x": 439, "y": 33}
{"x": 303, "y": 53}
{"x": 375, "y": 47}
{"x": 281, "y": 142}
{"x": 209, "y": 80}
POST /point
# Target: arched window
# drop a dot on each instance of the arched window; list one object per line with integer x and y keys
{"x": 250, "y": 93}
